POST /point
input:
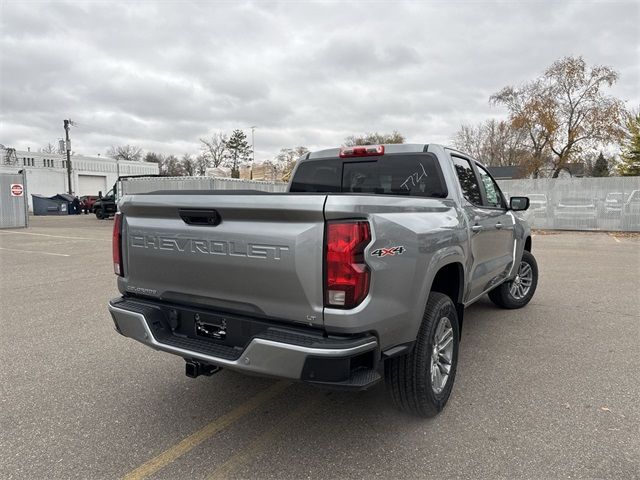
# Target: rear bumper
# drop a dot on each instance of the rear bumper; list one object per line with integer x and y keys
{"x": 278, "y": 352}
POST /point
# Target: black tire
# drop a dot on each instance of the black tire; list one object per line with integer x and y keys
{"x": 502, "y": 295}
{"x": 408, "y": 377}
{"x": 99, "y": 214}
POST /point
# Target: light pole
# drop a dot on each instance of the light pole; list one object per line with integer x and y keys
{"x": 253, "y": 151}
{"x": 253, "y": 146}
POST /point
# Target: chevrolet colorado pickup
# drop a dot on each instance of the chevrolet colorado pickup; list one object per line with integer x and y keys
{"x": 362, "y": 268}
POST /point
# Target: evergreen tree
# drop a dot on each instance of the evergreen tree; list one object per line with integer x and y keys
{"x": 239, "y": 152}
{"x": 601, "y": 167}
{"x": 630, "y": 159}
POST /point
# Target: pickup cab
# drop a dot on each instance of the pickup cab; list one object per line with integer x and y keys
{"x": 362, "y": 269}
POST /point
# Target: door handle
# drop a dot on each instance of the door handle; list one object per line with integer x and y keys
{"x": 498, "y": 225}
{"x": 476, "y": 228}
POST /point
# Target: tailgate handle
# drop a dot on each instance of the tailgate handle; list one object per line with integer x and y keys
{"x": 201, "y": 217}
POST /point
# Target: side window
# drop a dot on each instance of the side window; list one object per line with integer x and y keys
{"x": 467, "y": 179}
{"x": 491, "y": 189}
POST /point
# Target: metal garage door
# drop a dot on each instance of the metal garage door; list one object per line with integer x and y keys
{"x": 91, "y": 184}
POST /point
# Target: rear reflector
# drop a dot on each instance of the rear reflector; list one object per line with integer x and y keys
{"x": 116, "y": 245}
{"x": 347, "y": 274}
{"x": 362, "y": 151}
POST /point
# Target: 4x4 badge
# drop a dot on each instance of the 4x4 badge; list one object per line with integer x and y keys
{"x": 383, "y": 252}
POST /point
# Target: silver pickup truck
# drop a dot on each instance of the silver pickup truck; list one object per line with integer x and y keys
{"x": 369, "y": 258}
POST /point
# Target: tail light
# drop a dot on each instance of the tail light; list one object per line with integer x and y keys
{"x": 117, "y": 245}
{"x": 362, "y": 151}
{"x": 347, "y": 274}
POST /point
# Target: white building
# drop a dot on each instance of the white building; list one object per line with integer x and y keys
{"x": 47, "y": 172}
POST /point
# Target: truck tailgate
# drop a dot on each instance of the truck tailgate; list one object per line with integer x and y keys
{"x": 264, "y": 257}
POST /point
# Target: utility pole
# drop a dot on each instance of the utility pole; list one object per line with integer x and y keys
{"x": 67, "y": 127}
{"x": 253, "y": 152}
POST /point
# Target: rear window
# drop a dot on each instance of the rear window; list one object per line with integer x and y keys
{"x": 399, "y": 174}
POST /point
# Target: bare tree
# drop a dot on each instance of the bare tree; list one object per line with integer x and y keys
{"x": 215, "y": 149}
{"x": 286, "y": 160}
{"x": 374, "y": 138}
{"x": 125, "y": 152}
{"x": 188, "y": 165}
{"x": 202, "y": 163}
{"x": 470, "y": 139}
{"x": 530, "y": 112}
{"x": 49, "y": 148}
{"x": 565, "y": 110}
{"x": 172, "y": 167}
{"x": 494, "y": 142}
{"x": 153, "y": 157}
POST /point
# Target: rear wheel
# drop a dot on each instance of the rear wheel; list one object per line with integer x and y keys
{"x": 519, "y": 291}
{"x": 420, "y": 382}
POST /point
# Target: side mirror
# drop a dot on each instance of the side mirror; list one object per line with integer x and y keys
{"x": 100, "y": 194}
{"x": 518, "y": 203}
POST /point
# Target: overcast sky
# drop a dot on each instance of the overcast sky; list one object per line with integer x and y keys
{"x": 160, "y": 75}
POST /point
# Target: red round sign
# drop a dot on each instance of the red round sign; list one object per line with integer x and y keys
{"x": 16, "y": 189}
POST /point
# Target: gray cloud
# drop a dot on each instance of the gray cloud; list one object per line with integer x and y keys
{"x": 161, "y": 75}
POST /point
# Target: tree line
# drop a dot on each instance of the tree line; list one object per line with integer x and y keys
{"x": 233, "y": 151}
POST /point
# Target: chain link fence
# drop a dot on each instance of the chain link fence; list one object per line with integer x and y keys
{"x": 605, "y": 203}
{"x": 150, "y": 184}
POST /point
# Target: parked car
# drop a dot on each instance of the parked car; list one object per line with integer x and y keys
{"x": 631, "y": 212}
{"x": 106, "y": 205}
{"x": 576, "y": 211}
{"x": 87, "y": 202}
{"x": 613, "y": 203}
{"x": 371, "y": 256}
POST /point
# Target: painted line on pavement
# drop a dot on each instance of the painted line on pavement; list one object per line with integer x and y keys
{"x": 54, "y": 236}
{"x": 264, "y": 441}
{"x": 189, "y": 443}
{"x": 36, "y": 251}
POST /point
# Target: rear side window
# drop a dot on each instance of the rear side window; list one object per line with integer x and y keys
{"x": 468, "y": 180}
{"x": 400, "y": 174}
{"x": 318, "y": 176}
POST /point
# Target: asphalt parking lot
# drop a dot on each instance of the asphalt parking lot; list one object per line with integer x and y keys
{"x": 549, "y": 391}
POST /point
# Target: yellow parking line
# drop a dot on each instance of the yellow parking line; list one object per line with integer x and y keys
{"x": 186, "y": 445}
{"x": 615, "y": 238}
{"x": 263, "y": 442}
